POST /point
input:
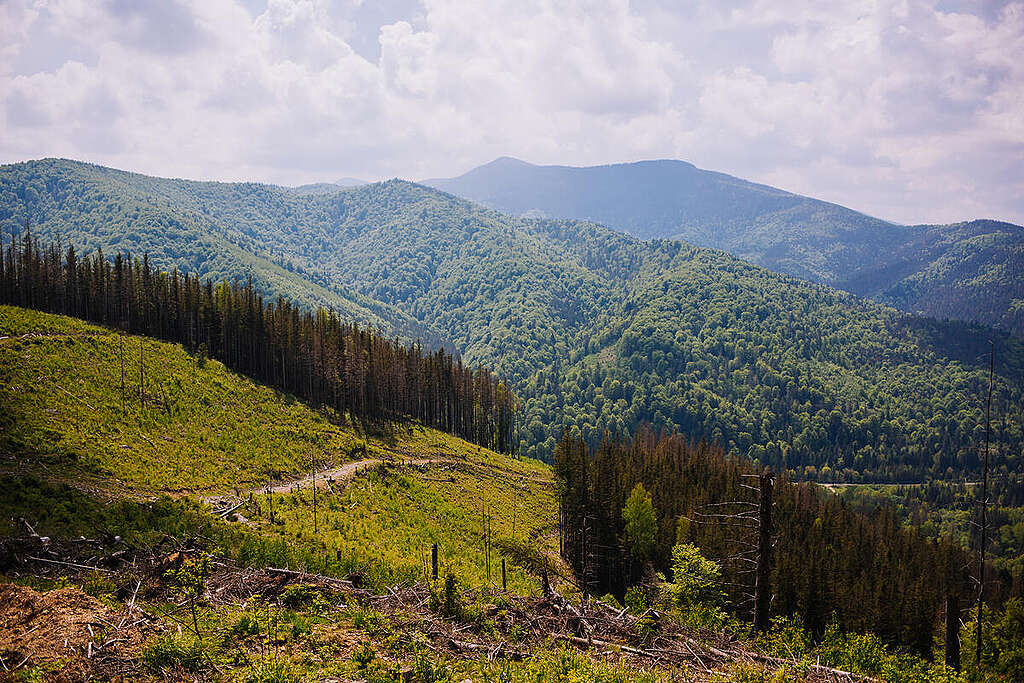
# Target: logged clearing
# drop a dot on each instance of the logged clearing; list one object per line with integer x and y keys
{"x": 187, "y": 523}
{"x": 96, "y": 406}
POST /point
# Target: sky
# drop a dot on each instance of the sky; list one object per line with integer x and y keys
{"x": 908, "y": 110}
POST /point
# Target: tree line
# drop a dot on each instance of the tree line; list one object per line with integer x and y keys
{"x": 312, "y": 354}
{"x": 829, "y": 562}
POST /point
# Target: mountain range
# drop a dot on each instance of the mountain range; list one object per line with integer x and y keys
{"x": 970, "y": 271}
{"x": 597, "y": 330}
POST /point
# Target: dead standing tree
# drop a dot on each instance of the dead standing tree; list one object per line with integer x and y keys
{"x": 765, "y": 533}
{"x": 748, "y": 539}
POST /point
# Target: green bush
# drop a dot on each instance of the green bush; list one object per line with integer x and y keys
{"x": 695, "y": 579}
{"x": 247, "y": 625}
{"x": 300, "y": 595}
{"x": 447, "y": 601}
{"x": 174, "y": 651}
{"x": 363, "y": 656}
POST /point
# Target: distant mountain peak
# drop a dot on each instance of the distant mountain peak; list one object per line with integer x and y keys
{"x": 350, "y": 182}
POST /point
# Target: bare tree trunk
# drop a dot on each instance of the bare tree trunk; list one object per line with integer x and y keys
{"x": 762, "y": 586}
{"x": 952, "y": 632}
{"x": 433, "y": 562}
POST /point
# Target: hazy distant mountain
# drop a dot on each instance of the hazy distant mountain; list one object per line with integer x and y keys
{"x": 326, "y": 188}
{"x": 970, "y": 271}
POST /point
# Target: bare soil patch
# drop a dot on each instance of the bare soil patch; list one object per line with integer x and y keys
{"x": 74, "y": 632}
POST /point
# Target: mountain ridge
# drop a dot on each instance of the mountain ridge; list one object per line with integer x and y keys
{"x": 176, "y": 224}
{"x": 922, "y": 268}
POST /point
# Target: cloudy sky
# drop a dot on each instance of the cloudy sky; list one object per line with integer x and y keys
{"x": 910, "y": 110}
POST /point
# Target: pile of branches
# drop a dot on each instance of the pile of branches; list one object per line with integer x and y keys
{"x": 516, "y": 624}
{"x": 649, "y": 638}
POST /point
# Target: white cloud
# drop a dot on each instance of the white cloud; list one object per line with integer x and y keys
{"x": 895, "y": 108}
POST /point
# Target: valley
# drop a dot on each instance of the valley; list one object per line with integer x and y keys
{"x": 595, "y": 329}
{"x": 289, "y": 395}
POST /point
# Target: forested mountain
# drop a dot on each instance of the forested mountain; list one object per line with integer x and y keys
{"x": 312, "y": 354}
{"x": 597, "y": 330}
{"x": 968, "y": 271}
{"x": 203, "y": 228}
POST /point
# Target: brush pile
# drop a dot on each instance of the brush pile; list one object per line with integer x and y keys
{"x": 471, "y": 624}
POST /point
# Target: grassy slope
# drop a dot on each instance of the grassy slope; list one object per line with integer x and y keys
{"x": 201, "y": 428}
{"x": 61, "y": 417}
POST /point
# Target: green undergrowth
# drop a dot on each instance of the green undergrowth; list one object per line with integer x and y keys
{"x": 386, "y": 521}
{"x": 184, "y": 424}
{"x": 306, "y": 634}
{"x": 267, "y": 642}
{"x": 60, "y": 511}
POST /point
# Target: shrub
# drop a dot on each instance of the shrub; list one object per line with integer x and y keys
{"x": 299, "y": 595}
{"x": 363, "y": 656}
{"x": 247, "y": 625}
{"x": 172, "y": 650}
{"x": 448, "y": 601}
{"x": 696, "y": 579}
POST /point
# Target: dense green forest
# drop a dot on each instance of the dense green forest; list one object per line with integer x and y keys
{"x": 312, "y": 354}
{"x": 970, "y": 271}
{"x": 177, "y": 224}
{"x": 593, "y": 329}
{"x": 949, "y": 509}
{"x": 829, "y": 561}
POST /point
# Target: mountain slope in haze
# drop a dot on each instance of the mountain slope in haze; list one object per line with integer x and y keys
{"x": 203, "y": 228}
{"x": 600, "y": 330}
{"x": 968, "y": 271}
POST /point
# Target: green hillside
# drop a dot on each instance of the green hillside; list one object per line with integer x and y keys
{"x": 271, "y": 603}
{"x": 599, "y": 330}
{"x": 200, "y": 428}
{"x": 207, "y": 430}
{"x": 203, "y": 228}
{"x": 968, "y": 271}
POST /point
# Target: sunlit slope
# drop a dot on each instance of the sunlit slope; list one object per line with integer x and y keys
{"x": 203, "y": 430}
{"x": 174, "y": 422}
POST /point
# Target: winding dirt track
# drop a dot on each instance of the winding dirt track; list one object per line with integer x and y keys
{"x": 7, "y": 339}
{"x": 336, "y": 475}
{"x": 339, "y": 474}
